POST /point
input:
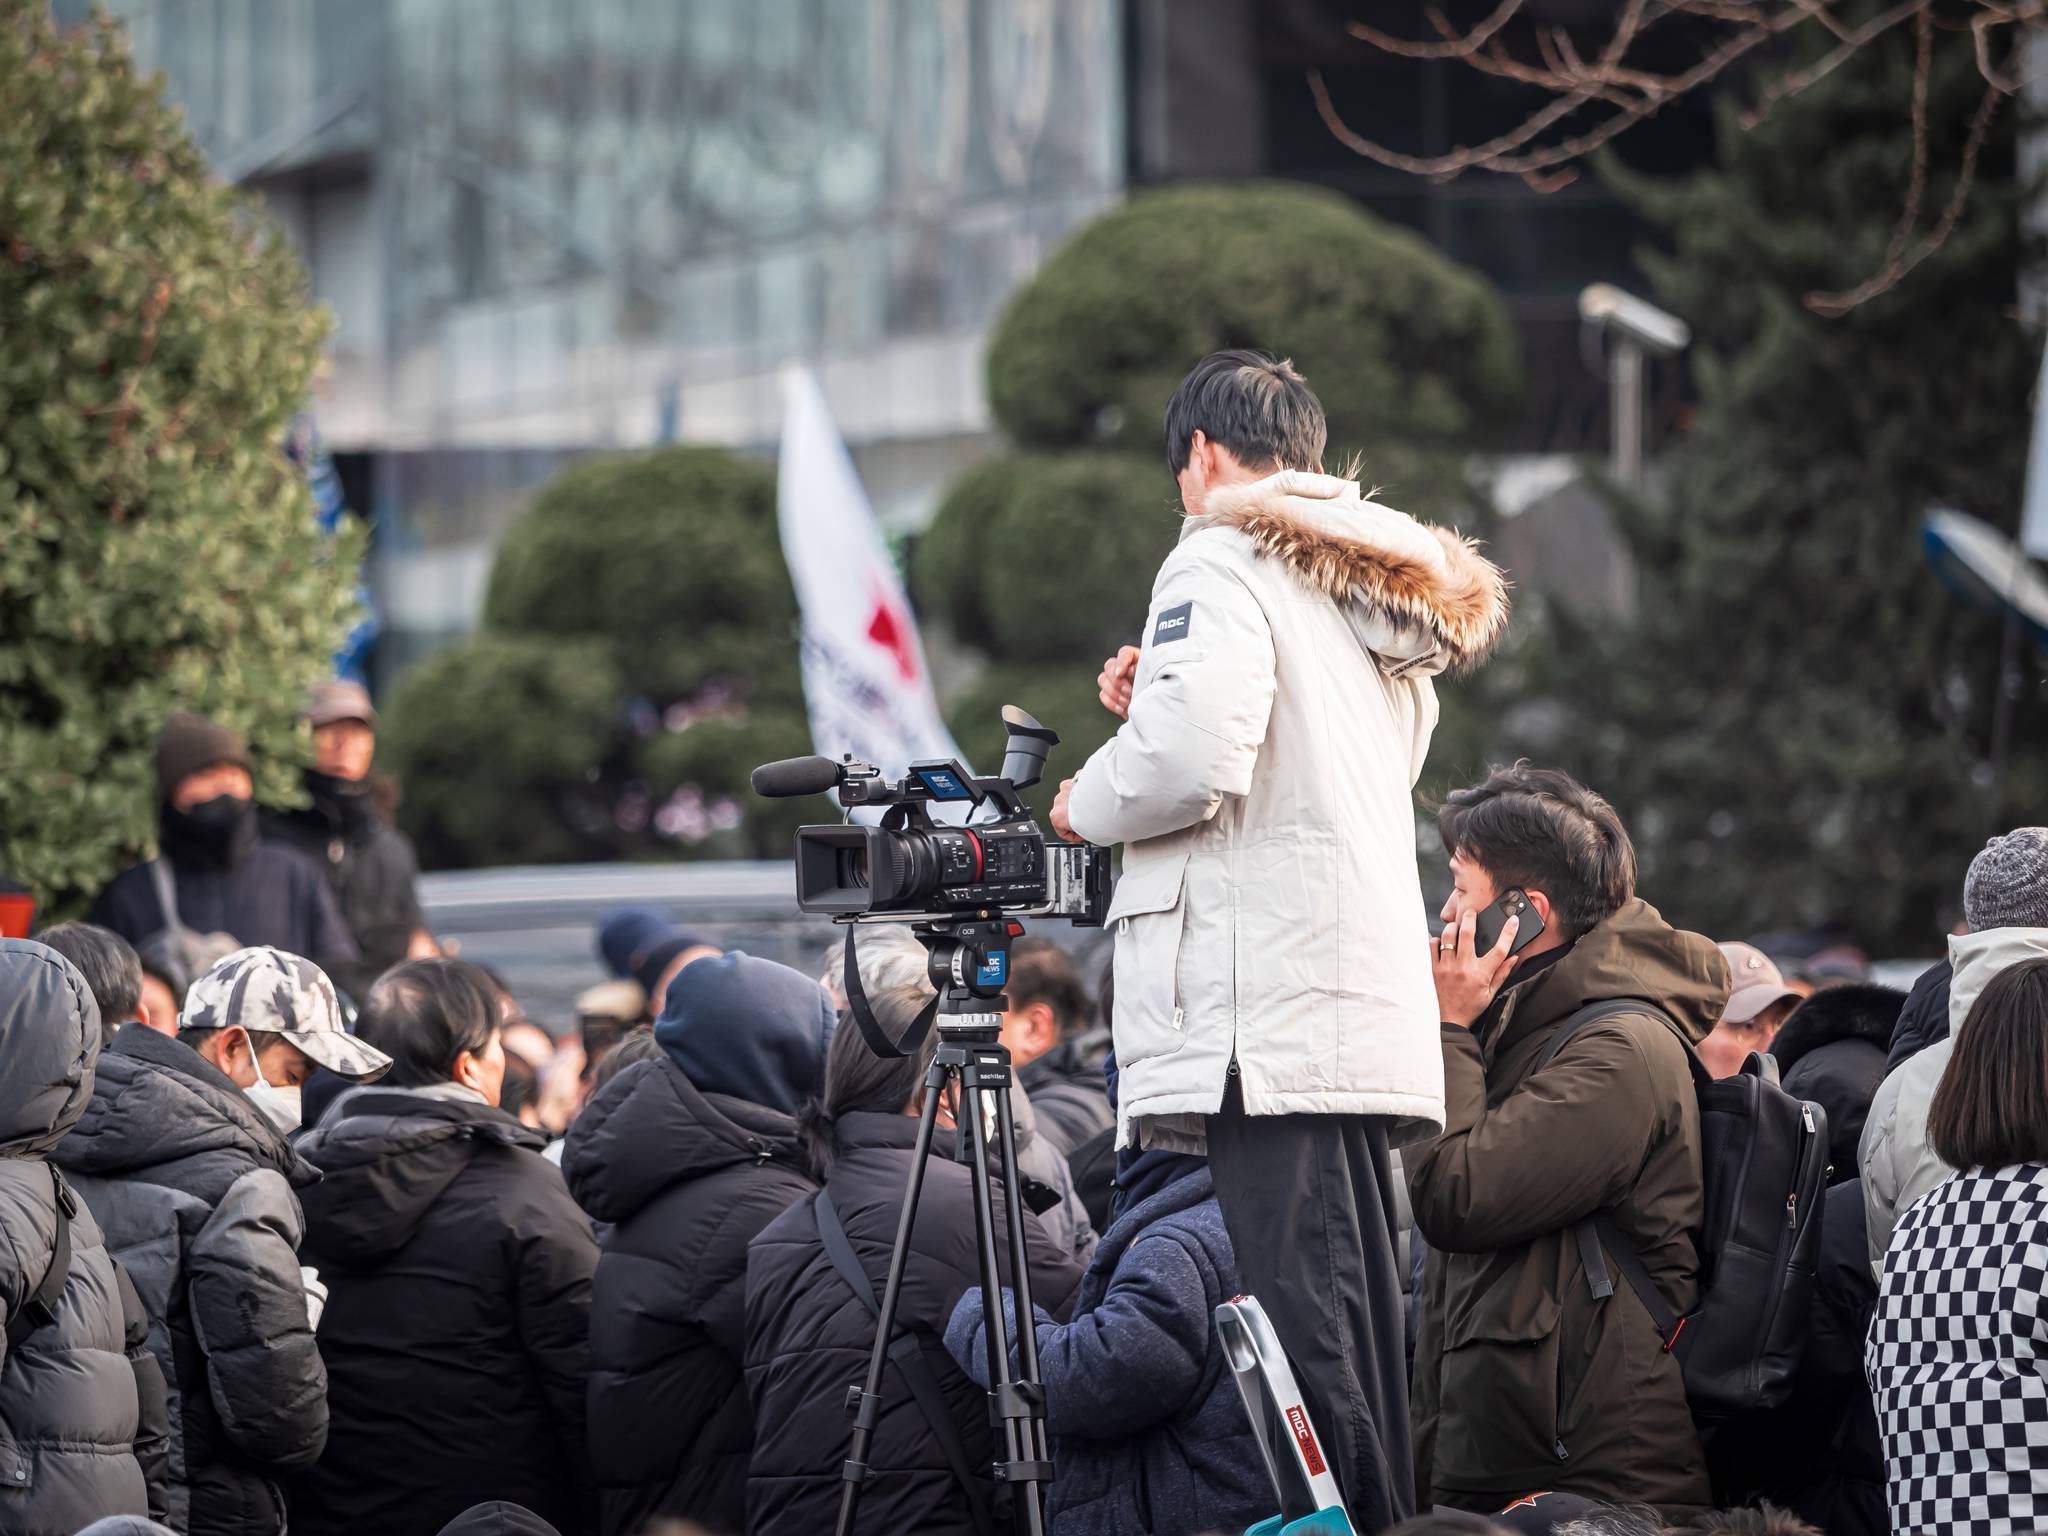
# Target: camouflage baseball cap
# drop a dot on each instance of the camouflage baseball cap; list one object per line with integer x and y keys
{"x": 270, "y": 989}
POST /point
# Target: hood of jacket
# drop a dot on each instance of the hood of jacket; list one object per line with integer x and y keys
{"x": 385, "y": 1156}
{"x": 1859, "y": 1011}
{"x": 49, "y": 1041}
{"x": 498, "y": 1519}
{"x": 650, "y": 1129}
{"x": 155, "y": 1100}
{"x": 1381, "y": 562}
{"x": 1977, "y": 957}
{"x": 1634, "y": 953}
{"x": 1190, "y": 1184}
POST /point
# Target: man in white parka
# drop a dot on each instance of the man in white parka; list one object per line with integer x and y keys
{"x": 1274, "y": 1003}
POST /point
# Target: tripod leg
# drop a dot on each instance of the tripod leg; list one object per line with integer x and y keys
{"x": 1037, "y": 1447}
{"x": 866, "y": 1409}
{"x": 1015, "y": 1398}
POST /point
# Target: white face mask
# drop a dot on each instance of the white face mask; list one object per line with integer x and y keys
{"x": 280, "y": 1106}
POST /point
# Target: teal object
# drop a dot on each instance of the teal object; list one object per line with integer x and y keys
{"x": 1324, "y": 1522}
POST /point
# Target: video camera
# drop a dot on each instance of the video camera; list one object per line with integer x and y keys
{"x": 911, "y": 869}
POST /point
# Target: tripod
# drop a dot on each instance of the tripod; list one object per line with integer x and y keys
{"x": 970, "y": 963}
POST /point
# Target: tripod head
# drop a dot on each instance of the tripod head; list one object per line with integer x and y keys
{"x": 967, "y": 961}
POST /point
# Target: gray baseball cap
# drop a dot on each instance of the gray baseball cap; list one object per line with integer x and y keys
{"x": 270, "y": 989}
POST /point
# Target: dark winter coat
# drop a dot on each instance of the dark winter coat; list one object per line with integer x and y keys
{"x": 1924, "y": 1018}
{"x": 808, "y": 1338}
{"x": 1523, "y": 1380}
{"x": 68, "y": 1416}
{"x": 1832, "y": 1051}
{"x": 269, "y": 895}
{"x": 457, "y": 1329}
{"x": 196, "y": 1192}
{"x": 370, "y": 867}
{"x": 681, "y": 1182}
{"x": 1148, "y": 1430}
{"x": 1069, "y": 1095}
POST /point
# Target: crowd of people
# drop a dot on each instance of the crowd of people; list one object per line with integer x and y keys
{"x": 309, "y": 1228}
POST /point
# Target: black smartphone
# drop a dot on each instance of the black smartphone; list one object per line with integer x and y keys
{"x": 1486, "y": 933}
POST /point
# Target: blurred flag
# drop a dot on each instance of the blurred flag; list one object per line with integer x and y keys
{"x": 865, "y": 681}
{"x": 2034, "y": 520}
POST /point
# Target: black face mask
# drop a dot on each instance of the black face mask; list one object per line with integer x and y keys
{"x": 215, "y": 834}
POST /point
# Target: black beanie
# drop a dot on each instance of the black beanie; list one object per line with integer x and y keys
{"x": 191, "y": 743}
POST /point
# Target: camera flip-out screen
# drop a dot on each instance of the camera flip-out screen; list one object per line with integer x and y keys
{"x": 943, "y": 784}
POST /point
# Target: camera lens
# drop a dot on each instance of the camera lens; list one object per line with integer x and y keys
{"x": 853, "y": 868}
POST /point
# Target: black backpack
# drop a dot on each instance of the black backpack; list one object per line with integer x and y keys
{"x": 1764, "y": 1156}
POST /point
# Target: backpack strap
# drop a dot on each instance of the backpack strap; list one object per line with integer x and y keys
{"x": 40, "y": 1310}
{"x": 911, "y": 1363}
{"x": 1599, "y": 1228}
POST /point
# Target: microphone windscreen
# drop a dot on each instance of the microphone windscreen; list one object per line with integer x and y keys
{"x": 795, "y": 776}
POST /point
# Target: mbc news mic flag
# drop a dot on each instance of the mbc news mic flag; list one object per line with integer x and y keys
{"x": 865, "y": 682}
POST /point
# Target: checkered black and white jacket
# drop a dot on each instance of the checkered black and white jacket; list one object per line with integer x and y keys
{"x": 1958, "y": 1357}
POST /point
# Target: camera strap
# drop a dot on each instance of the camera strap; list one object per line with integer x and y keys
{"x": 913, "y": 1038}
{"x": 908, "y": 1353}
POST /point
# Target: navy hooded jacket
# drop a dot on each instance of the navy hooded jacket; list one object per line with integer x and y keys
{"x": 1148, "y": 1431}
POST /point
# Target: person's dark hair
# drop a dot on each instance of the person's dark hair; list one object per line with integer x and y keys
{"x": 1254, "y": 404}
{"x": 425, "y": 1013}
{"x": 109, "y": 964}
{"x": 521, "y": 1085}
{"x": 1991, "y": 1109}
{"x": 857, "y": 1080}
{"x": 1764, "y": 1520}
{"x": 1446, "y": 1522}
{"x": 637, "y": 1044}
{"x": 1539, "y": 829}
{"x": 1042, "y": 972}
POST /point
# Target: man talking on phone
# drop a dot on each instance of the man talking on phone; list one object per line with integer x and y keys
{"x": 1569, "y": 1008}
{"x": 1273, "y": 1000}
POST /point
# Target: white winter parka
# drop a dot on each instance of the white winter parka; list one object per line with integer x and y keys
{"x": 1269, "y": 919}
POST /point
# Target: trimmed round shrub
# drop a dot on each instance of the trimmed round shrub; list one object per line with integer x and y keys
{"x": 696, "y": 780}
{"x": 1049, "y": 557}
{"x": 1401, "y": 343}
{"x": 500, "y": 741}
{"x": 671, "y": 555}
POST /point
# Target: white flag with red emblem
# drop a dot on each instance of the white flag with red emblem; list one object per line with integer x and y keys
{"x": 865, "y": 681}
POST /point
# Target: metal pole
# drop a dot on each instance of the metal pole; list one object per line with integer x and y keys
{"x": 1627, "y": 406}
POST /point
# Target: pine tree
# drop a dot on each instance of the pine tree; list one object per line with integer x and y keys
{"x": 1795, "y": 727}
{"x": 157, "y": 550}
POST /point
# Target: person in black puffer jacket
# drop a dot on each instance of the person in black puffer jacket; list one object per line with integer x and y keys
{"x": 1923, "y": 1021}
{"x": 456, "y": 1334}
{"x": 188, "y": 1170}
{"x": 68, "y": 1416}
{"x": 1832, "y": 1051}
{"x": 683, "y": 1160}
{"x": 808, "y": 1334}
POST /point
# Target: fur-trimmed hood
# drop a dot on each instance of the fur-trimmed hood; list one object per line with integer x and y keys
{"x": 1354, "y": 550}
{"x": 1858, "y": 1011}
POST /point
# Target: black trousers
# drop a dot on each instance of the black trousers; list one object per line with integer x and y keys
{"x": 1308, "y": 1201}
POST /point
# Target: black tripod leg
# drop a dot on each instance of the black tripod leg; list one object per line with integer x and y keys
{"x": 1020, "y": 1467}
{"x": 867, "y": 1409}
{"x": 1038, "y": 1448}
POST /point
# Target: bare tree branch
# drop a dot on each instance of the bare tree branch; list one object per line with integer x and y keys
{"x": 1834, "y": 305}
{"x": 1454, "y": 45}
{"x": 1617, "y": 92}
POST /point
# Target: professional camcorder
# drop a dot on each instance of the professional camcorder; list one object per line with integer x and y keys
{"x": 913, "y": 869}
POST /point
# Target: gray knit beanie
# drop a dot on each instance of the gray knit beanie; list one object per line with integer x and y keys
{"x": 2007, "y": 886}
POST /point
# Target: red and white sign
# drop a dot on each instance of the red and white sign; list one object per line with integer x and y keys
{"x": 865, "y": 682}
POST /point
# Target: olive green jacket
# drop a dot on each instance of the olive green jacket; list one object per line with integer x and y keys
{"x": 1523, "y": 1381}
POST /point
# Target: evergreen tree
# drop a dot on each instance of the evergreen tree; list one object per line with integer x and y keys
{"x": 1795, "y": 726}
{"x": 157, "y": 550}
